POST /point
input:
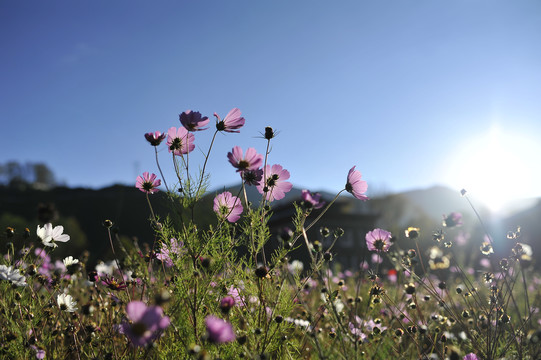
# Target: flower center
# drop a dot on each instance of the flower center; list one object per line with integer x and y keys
{"x": 243, "y": 164}
{"x": 139, "y": 328}
{"x": 271, "y": 181}
{"x": 379, "y": 244}
{"x": 176, "y": 144}
{"x": 147, "y": 186}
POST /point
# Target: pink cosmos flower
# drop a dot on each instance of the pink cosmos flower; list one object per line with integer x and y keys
{"x": 378, "y": 240}
{"x": 250, "y": 161}
{"x": 219, "y": 330}
{"x": 355, "y": 185}
{"x": 175, "y": 247}
{"x": 148, "y": 183}
{"x": 470, "y": 356}
{"x": 180, "y": 141}
{"x": 145, "y": 323}
{"x": 228, "y": 206}
{"x": 155, "y": 138}
{"x": 193, "y": 121}
{"x": 313, "y": 199}
{"x": 231, "y": 122}
{"x": 274, "y": 186}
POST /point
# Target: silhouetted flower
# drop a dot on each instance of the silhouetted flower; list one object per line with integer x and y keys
{"x": 148, "y": 183}
{"x": 412, "y": 232}
{"x": 250, "y": 161}
{"x": 155, "y": 138}
{"x": 452, "y": 220}
{"x": 378, "y": 240}
{"x": 252, "y": 177}
{"x": 193, "y": 121}
{"x": 313, "y": 199}
{"x": 231, "y": 122}
{"x": 355, "y": 185}
{"x": 49, "y": 235}
{"x": 145, "y": 323}
{"x": 219, "y": 330}
{"x": 227, "y": 206}
{"x": 180, "y": 141}
{"x": 273, "y": 187}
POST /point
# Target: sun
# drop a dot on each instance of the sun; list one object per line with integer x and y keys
{"x": 497, "y": 167}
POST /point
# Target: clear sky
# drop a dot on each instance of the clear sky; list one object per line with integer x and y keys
{"x": 415, "y": 93}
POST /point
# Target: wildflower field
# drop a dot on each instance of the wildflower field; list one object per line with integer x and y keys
{"x": 217, "y": 292}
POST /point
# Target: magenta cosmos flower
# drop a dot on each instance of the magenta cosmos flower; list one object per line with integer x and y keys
{"x": 155, "y": 138}
{"x": 470, "y": 356}
{"x": 148, "y": 183}
{"x": 180, "y": 141}
{"x": 243, "y": 162}
{"x": 231, "y": 122}
{"x": 274, "y": 186}
{"x": 193, "y": 121}
{"x": 227, "y": 206}
{"x": 313, "y": 199}
{"x": 219, "y": 330}
{"x": 378, "y": 240}
{"x": 145, "y": 323}
{"x": 355, "y": 185}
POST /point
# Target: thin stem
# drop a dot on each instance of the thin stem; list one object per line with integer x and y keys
{"x": 160, "y": 169}
{"x": 205, "y": 163}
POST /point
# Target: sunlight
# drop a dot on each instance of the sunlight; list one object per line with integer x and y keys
{"x": 497, "y": 167}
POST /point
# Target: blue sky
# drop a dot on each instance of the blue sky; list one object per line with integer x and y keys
{"x": 414, "y": 93}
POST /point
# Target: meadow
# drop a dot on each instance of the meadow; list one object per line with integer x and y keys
{"x": 216, "y": 292}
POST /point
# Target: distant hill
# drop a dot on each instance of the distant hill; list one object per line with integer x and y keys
{"x": 82, "y": 211}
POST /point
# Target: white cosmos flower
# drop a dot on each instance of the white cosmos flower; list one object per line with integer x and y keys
{"x": 50, "y": 236}
{"x": 70, "y": 261}
{"x": 66, "y": 303}
{"x": 12, "y": 275}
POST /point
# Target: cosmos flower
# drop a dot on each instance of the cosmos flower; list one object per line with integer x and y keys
{"x": 145, "y": 323}
{"x": 113, "y": 284}
{"x": 378, "y": 240}
{"x": 313, "y": 199}
{"x": 180, "y": 141}
{"x": 148, "y": 183}
{"x": 66, "y": 303}
{"x": 50, "y": 236}
{"x": 228, "y": 206}
{"x": 193, "y": 121}
{"x": 355, "y": 185}
{"x": 252, "y": 177}
{"x": 250, "y": 161}
{"x": 219, "y": 330}
{"x": 226, "y": 304}
{"x": 470, "y": 356}
{"x": 274, "y": 186}
{"x": 12, "y": 275}
{"x": 175, "y": 247}
{"x": 155, "y": 138}
{"x": 452, "y": 220}
{"x": 231, "y": 122}
{"x": 70, "y": 261}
